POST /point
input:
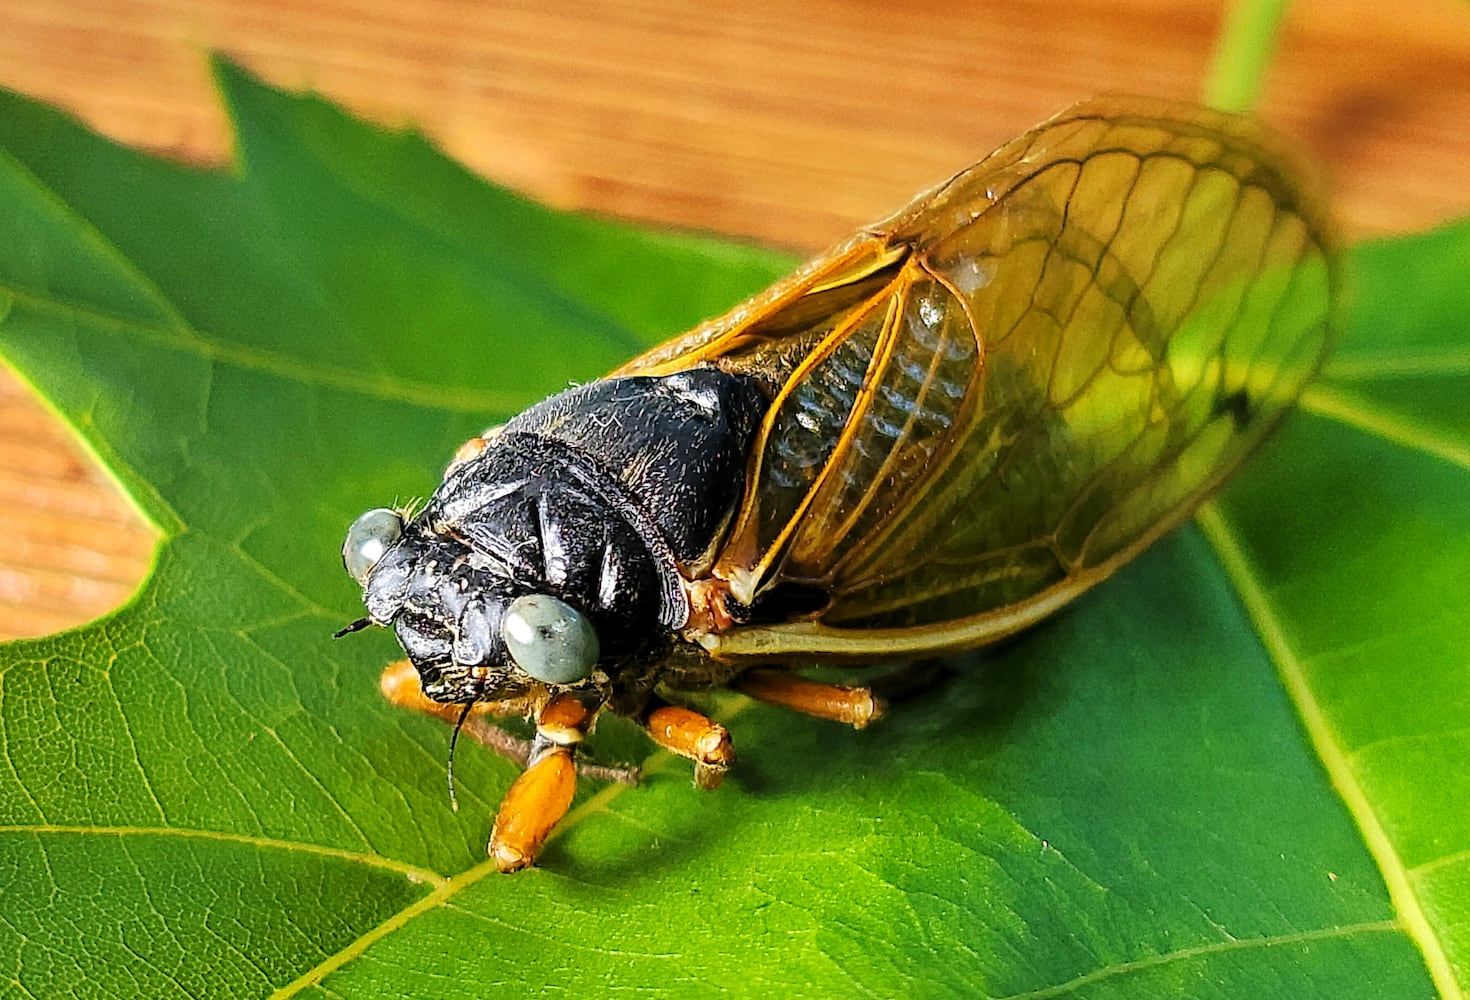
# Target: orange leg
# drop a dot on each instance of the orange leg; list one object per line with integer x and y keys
{"x": 539, "y": 798}
{"x": 691, "y": 735}
{"x": 532, "y": 807}
{"x": 400, "y": 686}
{"x": 855, "y": 707}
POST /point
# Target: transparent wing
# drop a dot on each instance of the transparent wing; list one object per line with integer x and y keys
{"x": 995, "y": 398}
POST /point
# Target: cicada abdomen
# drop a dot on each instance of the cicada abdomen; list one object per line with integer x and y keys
{"x": 932, "y": 436}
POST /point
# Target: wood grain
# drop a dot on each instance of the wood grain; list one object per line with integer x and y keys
{"x": 781, "y": 122}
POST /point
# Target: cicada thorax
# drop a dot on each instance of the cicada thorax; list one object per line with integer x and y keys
{"x": 675, "y": 446}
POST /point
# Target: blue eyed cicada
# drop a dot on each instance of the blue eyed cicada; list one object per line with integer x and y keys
{"x": 932, "y": 436}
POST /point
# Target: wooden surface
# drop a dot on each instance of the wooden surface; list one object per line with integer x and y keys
{"x": 783, "y": 122}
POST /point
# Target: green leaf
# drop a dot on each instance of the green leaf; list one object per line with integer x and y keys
{"x": 1238, "y": 769}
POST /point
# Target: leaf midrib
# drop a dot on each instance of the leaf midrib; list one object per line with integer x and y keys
{"x": 444, "y": 891}
{"x": 1329, "y": 751}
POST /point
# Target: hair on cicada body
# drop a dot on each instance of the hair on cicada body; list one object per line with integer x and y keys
{"x": 923, "y": 441}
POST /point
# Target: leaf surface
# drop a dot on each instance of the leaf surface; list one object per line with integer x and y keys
{"x": 1237, "y": 769}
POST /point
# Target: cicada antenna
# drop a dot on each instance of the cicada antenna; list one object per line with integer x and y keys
{"x": 453, "y": 742}
{"x": 356, "y": 626}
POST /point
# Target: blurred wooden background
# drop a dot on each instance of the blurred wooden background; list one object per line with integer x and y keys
{"x": 777, "y": 121}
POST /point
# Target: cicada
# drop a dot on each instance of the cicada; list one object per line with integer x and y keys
{"x": 930, "y": 437}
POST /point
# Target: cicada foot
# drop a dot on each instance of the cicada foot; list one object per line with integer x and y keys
{"x": 852, "y": 706}
{"x": 689, "y": 734}
{"x": 540, "y": 797}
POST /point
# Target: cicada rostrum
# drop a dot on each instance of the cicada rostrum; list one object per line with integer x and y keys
{"x": 930, "y": 437}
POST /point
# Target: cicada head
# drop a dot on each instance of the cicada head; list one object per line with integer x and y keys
{"x": 516, "y": 576}
{"x": 449, "y": 614}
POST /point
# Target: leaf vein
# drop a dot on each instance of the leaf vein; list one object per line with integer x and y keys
{"x": 9, "y": 758}
{"x": 386, "y": 387}
{"x": 1407, "y": 365}
{"x": 1401, "y": 739}
{"x": 1218, "y": 947}
{"x": 132, "y": 741}
{"x": 1357, "y": 412}
{"x": 165, "y": 927}
{"x": 412, "y": 872}
{"x": 1421, "y": 870}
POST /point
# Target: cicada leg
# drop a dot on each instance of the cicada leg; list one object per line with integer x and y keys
{"x": 540, "y": 797}
{"x": 400, "y": 686}
{"x": 689, "y": 734}
{"x": 852, "y": 706}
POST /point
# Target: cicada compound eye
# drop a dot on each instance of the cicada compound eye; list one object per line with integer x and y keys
{"x": 367, "y": 540}
{"x": 549, "y": 639}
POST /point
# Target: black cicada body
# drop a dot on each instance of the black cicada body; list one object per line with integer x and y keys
{"x": 589, "y": 513}
{"x": 932, "y": 436}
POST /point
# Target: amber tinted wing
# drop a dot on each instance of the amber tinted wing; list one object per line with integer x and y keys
{"x": 995, "y": 398}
